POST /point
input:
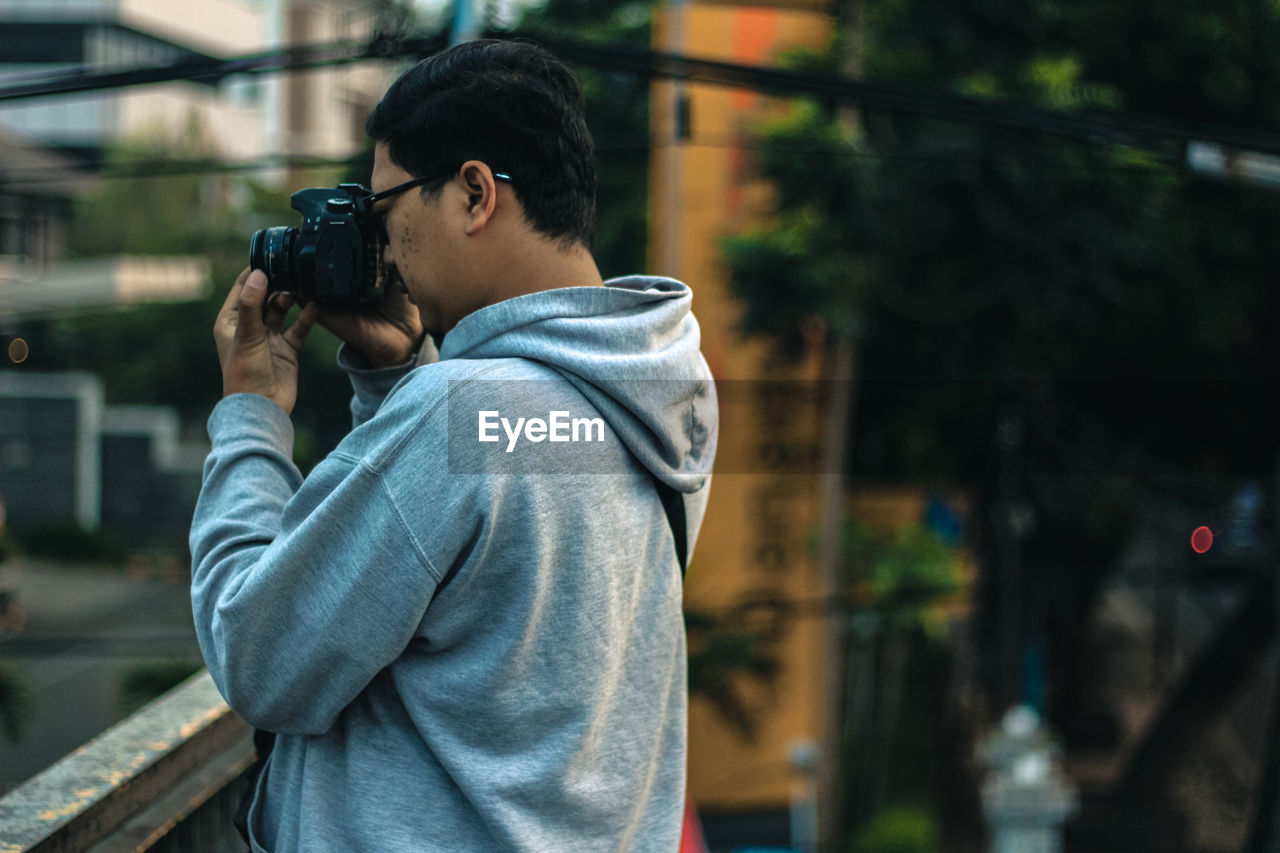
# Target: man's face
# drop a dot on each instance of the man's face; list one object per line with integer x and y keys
{"x": 419, "y": 251}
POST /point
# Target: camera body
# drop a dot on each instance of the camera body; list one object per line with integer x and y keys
{"x": 334, "y": 259}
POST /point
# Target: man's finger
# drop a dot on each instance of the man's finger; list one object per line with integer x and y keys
{"x": 278, "y": 306}
{"x": 233, "y": 296}
{"x": 296, "y": 335}
{"x": 249, "y": 327}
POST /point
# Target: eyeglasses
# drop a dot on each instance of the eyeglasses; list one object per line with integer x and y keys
{"x": 365, "y": 205}
{"x": 417, "y": 182}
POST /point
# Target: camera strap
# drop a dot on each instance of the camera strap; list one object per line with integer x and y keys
{"x": 673, "y": 505}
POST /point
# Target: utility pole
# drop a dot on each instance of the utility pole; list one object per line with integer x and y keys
{"x": 842, "y": 353}
{"x": 673, "y": 164}
{"x": 1264, "y": 831}
{"x": 466, "y": 24}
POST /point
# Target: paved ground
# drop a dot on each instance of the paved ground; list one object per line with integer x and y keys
{"x": 70, "y": 635}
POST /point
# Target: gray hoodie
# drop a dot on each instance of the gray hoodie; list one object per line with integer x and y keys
{"x": 465, "y": 623}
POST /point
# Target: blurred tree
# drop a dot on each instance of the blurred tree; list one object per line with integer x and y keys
{"x": 173, "y": 214}
{"x": 16, "y": 704}
{"x": 617, "y": 109}
{"x": 984, "y": 260}
{"x": 733, "y": 667}
{"x": 149, "y": 353}
{"x": 899, "y": 829}
{"x": 1109, "y": 311}
{"x": 146, "y": 682}
{"x": 163, "y": 353}
{"x": 15, "y": 694}
{"x": 904, "y": 583}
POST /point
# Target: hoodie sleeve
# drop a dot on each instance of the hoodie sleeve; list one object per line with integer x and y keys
{"x": 369, "y": 385}
{"x": 302, "y": 591}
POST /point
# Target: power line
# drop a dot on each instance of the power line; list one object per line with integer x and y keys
{"x": 164, "y": 168}
{"x": 1115, "y": 128}
{"x": 202, "y": 69}
{"x": 155, "y": 168}
{"x": 1137, "y": 131}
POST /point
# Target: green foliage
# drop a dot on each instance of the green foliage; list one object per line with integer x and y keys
{"x": 155, "y": 215}
{"x": 163, "y": 353}
{"x": 16, "y": 704}
{"x": 903, "y": 573}
{"x": 898, "y": 829}
{"x": 617, "y": 110}
{"x": 975, "y": 262}
{"x": 149, "y": 353}
{"x": 1196, "y": 62}
{"x": 733, "y": 668}
{"x": 147, "y": 682}
{"x": 68, "y": 541}
{"x": 909, "y": 559}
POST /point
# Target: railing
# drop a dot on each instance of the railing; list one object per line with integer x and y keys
{"x": 166, "y": 779}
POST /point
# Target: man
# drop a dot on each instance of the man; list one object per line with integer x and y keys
{"x": 467, "y": 634}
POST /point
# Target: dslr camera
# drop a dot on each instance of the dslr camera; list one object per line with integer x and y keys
{"x": 334, "y": 259}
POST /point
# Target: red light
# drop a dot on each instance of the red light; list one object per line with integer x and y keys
{"x": 1201, "y": 540}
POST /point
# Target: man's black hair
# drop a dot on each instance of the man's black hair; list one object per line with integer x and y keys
{"x": 510, "y": 104}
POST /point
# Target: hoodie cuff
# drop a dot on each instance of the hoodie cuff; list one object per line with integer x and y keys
{"x": 370, "y": 384}
{"x": 251, "y": 417}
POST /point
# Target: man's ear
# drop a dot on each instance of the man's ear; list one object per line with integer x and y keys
{"x": 482, "y": 194}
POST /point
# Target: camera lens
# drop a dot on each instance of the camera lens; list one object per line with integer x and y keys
{"x": 271, "y": 250}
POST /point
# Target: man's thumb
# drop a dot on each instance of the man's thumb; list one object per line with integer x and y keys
{"x": 252, "y": 295}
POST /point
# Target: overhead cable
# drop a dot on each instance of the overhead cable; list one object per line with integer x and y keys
{"x": 1109, "y": 127}
{"x": 203, "y": 69}
{"x": 161, "y": 167}
{"x": 1112, "y": 127}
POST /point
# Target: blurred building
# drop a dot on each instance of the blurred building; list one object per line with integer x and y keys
{"x": 37, "y": 188}
{"x": 63, "y": 455}
{"x": 757, "y": 566}
{"x": 52, "y": 145}
{"x": 753, "y": 561}
{"x": 49, "y": 453}
{"x": 313, "y": 113}
{"x": 33, "y": 214}
{"x": 67, "y": 456}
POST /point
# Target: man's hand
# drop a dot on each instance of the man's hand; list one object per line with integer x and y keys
{"x": 257, "y": 357}
{"x": 386, "y": 334}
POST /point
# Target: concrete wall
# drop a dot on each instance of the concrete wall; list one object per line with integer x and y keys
{"x": 65, "y": 456}
{"x": 49, "y": 454}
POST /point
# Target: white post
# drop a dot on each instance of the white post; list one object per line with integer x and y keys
{"x": 1026, "y": 796}
{"x": 804, "y": 759}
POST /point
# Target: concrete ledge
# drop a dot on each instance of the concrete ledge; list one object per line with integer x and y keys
{"x": 129, "y": 786}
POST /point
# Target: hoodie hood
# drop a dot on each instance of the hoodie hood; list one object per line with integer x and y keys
{"x": 631, "y": 347}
